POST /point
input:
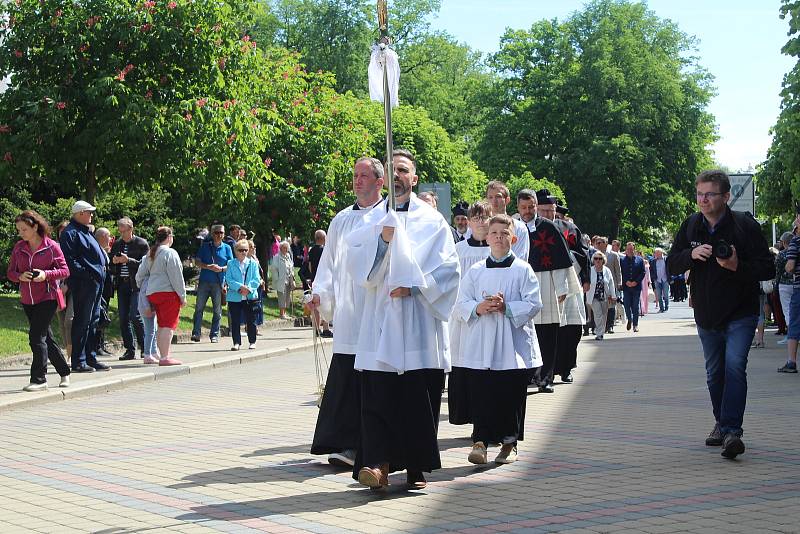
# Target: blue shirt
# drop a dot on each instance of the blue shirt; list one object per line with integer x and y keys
{"x": 209, "y": 253}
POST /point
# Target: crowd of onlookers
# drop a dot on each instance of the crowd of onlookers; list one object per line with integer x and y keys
{"x": 75, "y": 274}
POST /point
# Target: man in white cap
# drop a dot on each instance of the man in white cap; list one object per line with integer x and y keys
{"x": 87, "y": 271}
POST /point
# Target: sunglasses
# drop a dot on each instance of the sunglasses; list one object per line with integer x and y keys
{"x": 597, "y": 259}
{"x": 242, "y": 250}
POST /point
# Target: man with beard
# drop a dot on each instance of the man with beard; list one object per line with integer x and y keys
{"x": 339, "y": 300}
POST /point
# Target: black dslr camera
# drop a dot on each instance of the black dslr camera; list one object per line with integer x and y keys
{"x": 721, "y": 249}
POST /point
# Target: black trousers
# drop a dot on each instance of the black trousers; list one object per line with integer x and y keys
{"x": 86, "y": 298}
{"x": 548, "y": 346}
{"x": 236, "y": 310}
{"x": 130, "y": 322}
{"x": 42, "y": 343}
{"x": 498, "y": 405}
{"x": 567, "y": 359}
{"x": 400, "y": 420}
{"x": 339, "y": 420}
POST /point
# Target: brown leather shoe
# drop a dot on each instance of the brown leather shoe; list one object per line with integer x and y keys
{"x": 416, "y": 480}
{"x": 374, "y": 477}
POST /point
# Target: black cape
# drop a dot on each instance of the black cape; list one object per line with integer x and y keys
{"x": 549, "y": 251}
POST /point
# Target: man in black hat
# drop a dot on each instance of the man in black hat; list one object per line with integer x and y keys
{"x": 569, "y": 334}
{"x": 552, "y": 262}
{"x": 460, "y": 227}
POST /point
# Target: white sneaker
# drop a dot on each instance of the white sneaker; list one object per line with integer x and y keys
{"x": 478, "y": 453}
{"x": 252, "y": 346}
{"x": 783, "y": 341}
{"x": 508, "y": 455}
{"x": 345, "y": 458}
{"x": 64, "y": 382}
{"x": 35, "y": 387}
{"x": 235, "y": 347}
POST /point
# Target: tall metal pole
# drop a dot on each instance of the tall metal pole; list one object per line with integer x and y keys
{"x": 383, "y": 44}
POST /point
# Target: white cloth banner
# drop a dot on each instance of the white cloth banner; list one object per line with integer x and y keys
{"x": 376, "y": 75}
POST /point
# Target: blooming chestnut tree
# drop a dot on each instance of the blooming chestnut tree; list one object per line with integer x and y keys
{"x": 102, "y": 92}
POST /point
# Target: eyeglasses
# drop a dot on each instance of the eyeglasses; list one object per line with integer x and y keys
{"x": 707, "y": 196}
{"x": 597, "y": 259}
{"x": 242, "y": 250}
{"x": 219, "y": 233}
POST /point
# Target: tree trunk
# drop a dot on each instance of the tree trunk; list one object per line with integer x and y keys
{"x": 91, "y": 182}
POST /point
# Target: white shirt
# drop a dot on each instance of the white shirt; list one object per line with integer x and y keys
{"x": 468, "y": 256}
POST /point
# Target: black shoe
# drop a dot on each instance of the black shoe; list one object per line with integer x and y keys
{"x": 610, "y": 331}
{"x": 326, "y": 333}
{"x": 630, "y": 324}
{"x": 129, "y": 355}
{"x": 715, "y": 438}
{"x": 732, "y": 446}
{"x": 101, "y": 367}
{"x": 546, "y": 389}
{"x": 196, "y": 339}
{"x": 567, "y": 379}
{"x": 789, "y": 367}
{"x": 83, "y": 369}
{"x": 103, "y": 352}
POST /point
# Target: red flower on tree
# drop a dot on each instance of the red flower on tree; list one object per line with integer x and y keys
{"x": 18, "y": 53}
{"x": 267, "y": 162}
{"x": 8, "y": 158}
{"x": 172, "y": 5}
{"x": 5, "y": 128}
{"x": 61, "y": 105}
{"x": 241, "y": 173}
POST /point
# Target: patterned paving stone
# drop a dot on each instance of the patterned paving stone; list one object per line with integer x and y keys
{"x": 619, "y": 450}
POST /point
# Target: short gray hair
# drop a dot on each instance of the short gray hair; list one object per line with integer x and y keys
{"x": 102, "y": 231}
{"x": 217, "y": 227}
{"x": 125, "y": 221}
{"x": 375, "y": 164}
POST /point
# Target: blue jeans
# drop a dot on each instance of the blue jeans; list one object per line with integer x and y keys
{"x": 149, "y": 347}
{"x": 725, "y": 352}
{"x": 662, "y": 295}
{"x": 205, "y": 290}
{"x": 86, "y": 297}
{"x": 130, "y": 322}
{"x": 630, "y": 300}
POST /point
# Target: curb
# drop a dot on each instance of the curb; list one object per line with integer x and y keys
{"x": 56, "y": 394}
{"x": 184, "y": 337}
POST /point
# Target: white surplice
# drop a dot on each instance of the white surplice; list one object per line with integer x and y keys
{"x": 340, "y": 299}
{"x": 468, "y": 256}
{"x": 406, "y": 333}
{"x": 499, "y": 341}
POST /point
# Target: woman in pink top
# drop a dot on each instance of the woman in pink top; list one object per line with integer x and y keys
{"x": 37, "y": 264}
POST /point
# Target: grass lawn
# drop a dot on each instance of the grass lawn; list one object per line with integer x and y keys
{"x": 14, "y": 324}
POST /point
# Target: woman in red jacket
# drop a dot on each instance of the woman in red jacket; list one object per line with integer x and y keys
{"x": 37, "y": 264}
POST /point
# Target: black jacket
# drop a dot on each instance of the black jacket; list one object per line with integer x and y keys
{"x": 718, "y": 295}
{"x": 137, "y": 249}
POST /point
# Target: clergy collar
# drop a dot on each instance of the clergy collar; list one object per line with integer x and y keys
{"x": 492, "y": 263}
{"x": 356, "y": 207}
{"x": 475, "y": 243}
{"x": 402, "y": 207}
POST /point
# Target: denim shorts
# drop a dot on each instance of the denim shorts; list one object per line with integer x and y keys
{"x": 794, "y": 315}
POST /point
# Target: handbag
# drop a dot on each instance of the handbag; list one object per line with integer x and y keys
{"x": 60, "y": 298}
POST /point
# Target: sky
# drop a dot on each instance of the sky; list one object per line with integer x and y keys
{"x": 739, "y": 44}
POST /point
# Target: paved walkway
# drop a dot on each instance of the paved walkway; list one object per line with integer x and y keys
{"x": 275, "y": 339}
{"x": 621, "y": 449}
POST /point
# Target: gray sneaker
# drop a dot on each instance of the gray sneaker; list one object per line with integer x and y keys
{"x": 715, "y": 438}
{"x": 789, "y": 367}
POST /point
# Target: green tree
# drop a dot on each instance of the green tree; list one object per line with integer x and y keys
{"x": 140, "y": 91}
{"x": 778, "y": 178}
{"x": 610, "y": 105}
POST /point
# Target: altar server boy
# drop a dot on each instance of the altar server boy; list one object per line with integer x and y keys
{"x": 498, "y": 299}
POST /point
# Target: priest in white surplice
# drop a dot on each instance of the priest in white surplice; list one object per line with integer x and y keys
{"x": 339, "y": 300}
{"x": 406, "y": 260}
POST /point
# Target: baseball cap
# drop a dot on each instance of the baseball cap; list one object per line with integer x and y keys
{"x": 82, "y": 205}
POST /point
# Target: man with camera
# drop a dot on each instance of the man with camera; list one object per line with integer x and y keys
{"x": 126, "y": 256}
{"x": 727, "y": 256}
